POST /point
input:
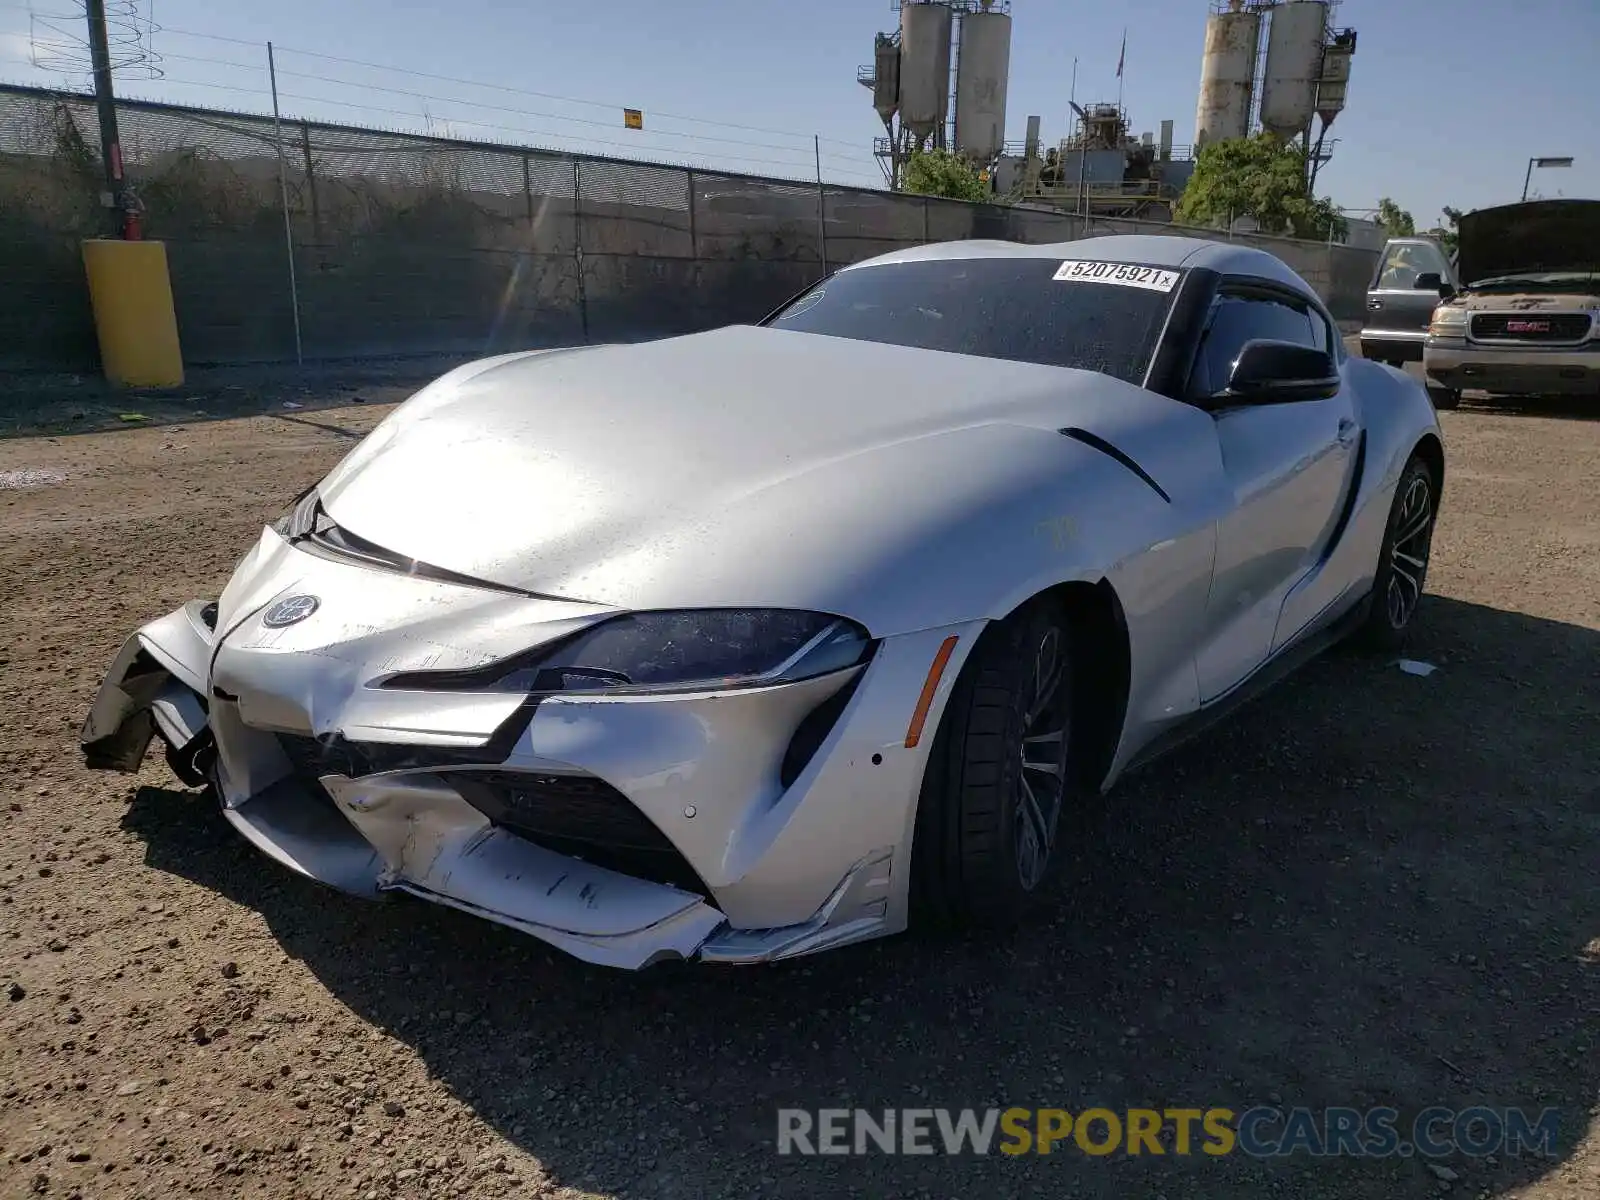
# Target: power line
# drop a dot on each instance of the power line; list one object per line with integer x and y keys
{"x": 798, "y": 169}
{"x": 856, "y": 170}
{"x": 523, "y": 112}
{"x": 516, "y": 129}
{"x": 565, "y": 99}
{"x": 498, "y": 87}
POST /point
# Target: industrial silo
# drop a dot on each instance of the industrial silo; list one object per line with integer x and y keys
{"x": 1227, "y": 74}
{"x": 885, "y": 77}
{"x": 1334, "y": 85}
{"x": 982, "y": 74}
{"x": 1294, "y": 63}
{"x": 924, "y": 66}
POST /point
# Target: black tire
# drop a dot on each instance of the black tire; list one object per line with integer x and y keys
{"x": 968, "y": 863}
{"x": 1400, "y": 578}
{"x": 1443, "y": 397}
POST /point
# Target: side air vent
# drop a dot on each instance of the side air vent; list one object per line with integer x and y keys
{"x": 1096, "y": 442}
{"x": 813, "y": 731}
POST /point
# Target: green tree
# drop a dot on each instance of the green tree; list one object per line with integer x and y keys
{"x": 1262, "y": 178}
{"x": 1447, "y": 237}
{"x": 1395, "y": 220}
{"x": 941, "y": 173}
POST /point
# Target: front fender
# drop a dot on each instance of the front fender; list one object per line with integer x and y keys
{"x": 963, "y": 527}
{"x": 942, "y": 529}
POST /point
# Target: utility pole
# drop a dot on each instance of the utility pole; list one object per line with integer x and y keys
{"x": 822, "y": 210}
{"x": 283, "y": 193}
{"x": 1083, "y": 159}
{"x": 106, "y": 106}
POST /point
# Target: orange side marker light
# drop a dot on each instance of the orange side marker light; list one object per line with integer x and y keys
{"x": 929, "y": 687}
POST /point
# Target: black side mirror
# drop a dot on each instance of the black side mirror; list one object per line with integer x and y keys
{"x": 1271, "y": 372}
{"x": 1432, "y": 281}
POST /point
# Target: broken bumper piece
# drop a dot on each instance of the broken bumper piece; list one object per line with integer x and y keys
{"x": 413, "y": 831}
{"x": 413, "y": 835}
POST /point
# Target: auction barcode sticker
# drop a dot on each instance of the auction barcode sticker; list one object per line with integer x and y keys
{"x": 1123, "y": 274}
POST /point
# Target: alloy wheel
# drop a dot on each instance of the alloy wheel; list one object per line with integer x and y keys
{"x": 1042, "y": 778}
{"x": 1408, "y": 552}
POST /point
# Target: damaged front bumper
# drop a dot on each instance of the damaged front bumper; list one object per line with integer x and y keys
{"x": 772, "y": 872}
{"x": 156, "y": 684}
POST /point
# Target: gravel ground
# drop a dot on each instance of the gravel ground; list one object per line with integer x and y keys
{"x": 1374, "y": 888}
{"x": 61, "y": 403}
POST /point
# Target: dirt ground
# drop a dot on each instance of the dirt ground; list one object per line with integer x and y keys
{"x": 1373, "y": 888}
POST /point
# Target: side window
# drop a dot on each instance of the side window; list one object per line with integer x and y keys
{"x": 1236, "y": 320}
{"x": 1403, "y": 263}
{"x": 1323, "y": 336}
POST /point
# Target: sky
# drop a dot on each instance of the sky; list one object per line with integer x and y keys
{"x": 1448, "y": 100}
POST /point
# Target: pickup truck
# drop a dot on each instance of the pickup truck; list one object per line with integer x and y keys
{"x": 1525, "y": 319}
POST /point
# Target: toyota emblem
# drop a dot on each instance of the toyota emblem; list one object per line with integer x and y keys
{"x": 291, "y": 610}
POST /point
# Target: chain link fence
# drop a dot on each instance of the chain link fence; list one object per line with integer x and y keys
{"x": 405, "y": 244}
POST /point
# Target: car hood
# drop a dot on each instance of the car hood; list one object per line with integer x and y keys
{"x": 1577, "y": 297}
{"x": 743, "y": 465}
{"x": 1539, "y": 236}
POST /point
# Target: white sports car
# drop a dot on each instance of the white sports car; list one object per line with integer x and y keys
{"x": 746, "y": 644}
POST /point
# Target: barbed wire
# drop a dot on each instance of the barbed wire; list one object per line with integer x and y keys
{"x": 168, "y": 30}
{"x": 526, "y": 138}
{"x": 129, "y": 39}
{"x": 830, "y": 156}
{"x": 728, "y": 154}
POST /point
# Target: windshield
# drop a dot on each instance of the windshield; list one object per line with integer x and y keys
{"x": 1108, "y": 320}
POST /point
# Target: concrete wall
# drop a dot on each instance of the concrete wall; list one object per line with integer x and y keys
{"x": 410, "y": 245}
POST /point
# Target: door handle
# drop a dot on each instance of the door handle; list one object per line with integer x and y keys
{"x": 1347, "y": 431}
{"x": 1374, "y": 304}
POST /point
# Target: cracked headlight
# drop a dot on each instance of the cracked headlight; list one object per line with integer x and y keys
{"x": 690, "y": 650}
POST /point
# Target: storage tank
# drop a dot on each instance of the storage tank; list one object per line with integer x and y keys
{"x": 1294, "y": 61}
{"x": 885, "y": 77}
{"x": 924, "y": 66}
{"x": 1334, "y": 85}
{"x": 982, "y": 75}
{"x": 1227, "y": 75}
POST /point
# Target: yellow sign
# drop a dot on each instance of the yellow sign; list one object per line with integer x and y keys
{"x": 633, "y": 118}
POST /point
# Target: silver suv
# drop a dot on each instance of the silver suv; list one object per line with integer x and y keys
{"x": 1413, "y": 275}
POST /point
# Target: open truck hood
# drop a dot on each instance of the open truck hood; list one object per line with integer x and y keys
{"x": 1520, "y": 239}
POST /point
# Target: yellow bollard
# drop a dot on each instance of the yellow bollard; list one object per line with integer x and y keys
{"x": 133, "y": 313}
